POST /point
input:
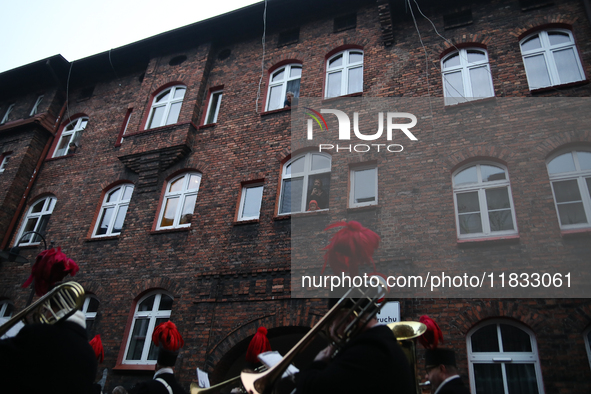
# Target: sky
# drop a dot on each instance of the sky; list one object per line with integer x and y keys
{"x": 36, "y": 29}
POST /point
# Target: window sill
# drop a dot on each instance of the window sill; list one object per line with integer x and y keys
{"x": 483, "y": 101}
{"x": 207, "y": 126}
{"x": 276, "y": 111}
{"x": 320, "y": 212}
{"x": 282, "y": 217}
{"x": 241, "y": 222}
{"x": 563, "y": 86}
{"x": 488, "y": 240}
{"x": 135, "y": 367}
{"x": 580, "y": 232}
{"x": 329, "y": 99}
{"x": 170, "y": 230}
{"x": 363, "y": 208}
{"x": 107, "y": 238}
{"x": 60, "y": 157}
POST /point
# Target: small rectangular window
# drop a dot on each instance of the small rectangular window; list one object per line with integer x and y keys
{"x": 4, "y": 161}
{"x": 7, "y": 114}
{"x": 213, "y": 108}
{"x": 36, "y": 106}
{"x": 250, "y": 202}
{"x": 345, "y": 22}
{"x": 288, "y": 37}
{"x": 457, "y": 19}
{"x": 364, "y": 186}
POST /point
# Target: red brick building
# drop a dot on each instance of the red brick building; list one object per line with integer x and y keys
{"x": 147, "y": 165}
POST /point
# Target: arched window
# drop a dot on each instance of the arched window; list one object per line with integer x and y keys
{"x": 113, "y": 211}
{"x": 283, "y": 80}
{"x": 344, "y": 73}
{"x": 570, "y": 176}
{"x": 551, "y": 58}
{"x": 179, "y": 201}
{"x": 166, "y": 107}
{"x": 503, "y": 358}
{"x": 70, "y": 136}
{"x": 484, "y": 206}
{"x": 36, "y": 220}
{"x": 90, "y": 308}
{"x": 466, "y": 76}
{"x": 152, "y": 310}
{"x": 304, "y": 178}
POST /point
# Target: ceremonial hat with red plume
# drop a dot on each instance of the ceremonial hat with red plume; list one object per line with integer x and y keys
{"x": 169, "y": 340}
{"x": 97, "y": 346}
{"x": 259, "y": 344}
{"x": 350, "y": 247}
{"x": 435, "y": 356}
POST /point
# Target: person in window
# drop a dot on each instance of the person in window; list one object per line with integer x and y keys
{"x": 313, "y": 206}
{"x": 443, "y": 373}
{"x": 317, "y": 193}
{"x": 288, "y": 99}
{"x": 72, "y": 148}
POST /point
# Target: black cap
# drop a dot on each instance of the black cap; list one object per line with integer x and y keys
{"x": 166, "y": 357}
{"x": 435, "y": 357}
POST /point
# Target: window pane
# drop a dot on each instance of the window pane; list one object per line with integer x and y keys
{"x": 453, "y": 84}
{"x": 488, "y": 379}
{"x": 355, "y": 80}
{"x": 452, "y": 61}
{"x": 296, "y": 167}
{"x": 212, "y": 115}
{"x": 63, "y": 146}
{"x": 500, "y": 220}
{"x": 104, "y": 222}
{"x": 147, "y": 304}
{"x": 336, "y": 61}
{"x": 173, "y": 115}
{"x": 163, "y": 96}
{"x": 194, "y": 181}
{"x": 320, "y": 162}
{"x": 120, "y": 219}
{"x": 567, "y": 65}
{"x": 138, "y": 338}
{"x": 515, "y": 339}
{"x": 491, "y": 173}
{"x": 558, "y": 38}
{"x": 485, "y": 339}
{"x": 497, "y": 198}
{"x": 318, "y": 190}
{"x": 38, "y": 207}
{"x": 468, "y": 202}
{"x": 566, "y": 191}
{"x": 365, "y": 185}
{"x": 291, "y": 200}
{"x": 127, "y": 193}
{"x": 295, "y": 72}
{"x": 177, "y": 185}
{"x": 563, "y": 163}
{"x": 584, "y": 160}
{"x": 470, "y": 223}
{"x": 179, "y": 93}
{"x": 30, "y": 226}
{"x": 537, "y": 71}
{"x": 476, "y": 56}
{"x": 169, "y": 212}
{"x": 165, "y": 303}
{"x": 276, "y": 98}
{"x": 532, "y": 43}
{"x": 294, "y": 87}
{"x": 153, "y": 352}
{"x": 252, "y": 202}
{"x": 521, "y": 378}
{"x": 41, "y": 226}
{"x": 156, "y": 118}
{"x": 188, "y": 208}
{"x": 114, "y": 195}
{"x": 93, "y": 305}
{"x": 573, "y": 213}
{"x": 588, "y": 181}
{"x": 334, "y": 84}
{"x": 278, "y": 75}
{"x": 480, "y": 80}
{"x": 355, "y": 57}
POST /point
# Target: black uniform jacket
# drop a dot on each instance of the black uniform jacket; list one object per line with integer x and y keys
{"x": 45, "y": 358}
{"x": 370, "y": 363}
{"x": 454, "y": 386}
{"x": 156, "y": 387}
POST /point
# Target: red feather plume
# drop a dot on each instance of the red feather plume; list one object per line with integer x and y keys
{"x": 259, "y": 344}
{"x": 168, "y": 335}
{"x": 97, "y": 346}
{"x": 51, "y": 266}
{"x": 350, "y": 247}
{"x": 431, "y": 338}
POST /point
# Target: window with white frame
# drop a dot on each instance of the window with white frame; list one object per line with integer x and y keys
{"x": 344, "y": 73}
{"x": 6, "y": 309}
{"x": 113, "y": 211}
{"x": 305, "y": 178}
{"x": 250, "y": 202}
{"x": 4, "y": 162}
{"x": 466, "y": 76}
{"x": 90, "y": 309}
{"x": 151, "y": 310}
{"x": 71, "y": 134}
{"x": 503, "y": 358}
{"x": 179, "y": 201}
{"x": 213, "y": 108}
{"x": 36, "y": 106}
{"x": 570, "y": 176}
{"x": 7, "y": 114}
{"x": 36, "y": 220}
{"x": 483, "y": 202}
{"x": 551, "y": 58}
{"x": 166, "y": 107}
{"x": 281, "y": 81}
{"x": 364, "y": 186}
{"x": 587, "y": 337}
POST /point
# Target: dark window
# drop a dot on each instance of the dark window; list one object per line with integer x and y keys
{"x": 457, "y": 19}
{"x": 175, "y": 61}
{"x": 345, "y": 22}
{"x": 288, "y": 37}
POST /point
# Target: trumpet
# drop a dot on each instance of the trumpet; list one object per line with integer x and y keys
{"x": 59, "y": 303}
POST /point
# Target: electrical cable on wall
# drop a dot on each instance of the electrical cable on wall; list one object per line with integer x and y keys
{"x": 68, "y": 91}
{"x": 263, "y": 59}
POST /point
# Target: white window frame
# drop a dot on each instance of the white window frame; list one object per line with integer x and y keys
{"x": 36, "y": 106}
{"x": 89, "y": 315}
{"x": 213, "y": 112}
{"x": 182, "y": 197}
{"x": 501, "y": 357}
{"x": 587, "y": 338}
{"x": 480, "y": 187}
{"x": 579, "y": 176}
{"x": 352, "y": 198}
{"x": 243, "y": 196}
{"x": 117, "y": 205}
{"x": 151, "y": 316}
{"x": 547, "y": 50}
{"x": 70, "y": 136}
{"x": 452, "y": 96}
{"x": 46, "y": 211}
{"x": 283, "y": 83}
{"x": 344, "y": 69}
{"x": 7, "y": 113}
{"x": 167, "y": 104}
{"x": 3, "y": 307}
{"x": 306, "y": 174}
{"x": 4, "y": 163}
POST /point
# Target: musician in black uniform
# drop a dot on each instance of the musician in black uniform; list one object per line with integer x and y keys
{"x": 44, "y": 358}
{"x": 442, "y": 372}
{"x": 372, "y": 362}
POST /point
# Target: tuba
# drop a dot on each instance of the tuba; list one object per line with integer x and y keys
{"x": 406, "y": 332}
{"x": 60, "y": 303}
